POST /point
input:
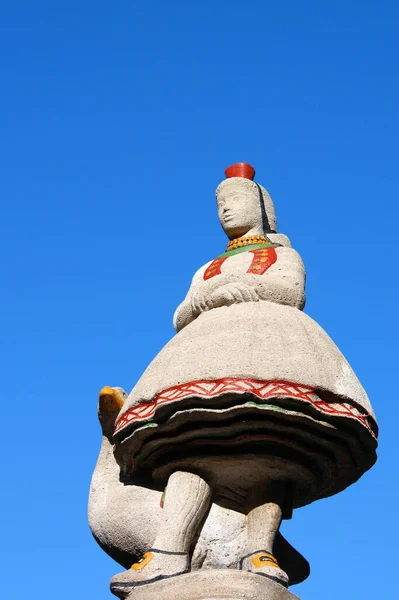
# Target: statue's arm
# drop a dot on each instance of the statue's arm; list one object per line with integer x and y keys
{"x": 284, "y": 281}
{"x": 183, "y": 315}
{"x": 187, "y": 311}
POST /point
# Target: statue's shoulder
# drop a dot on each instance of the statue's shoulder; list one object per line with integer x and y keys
{"x": 280, "y": 238}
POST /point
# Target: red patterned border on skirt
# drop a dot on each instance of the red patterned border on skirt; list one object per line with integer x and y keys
{"x": 260, "y": 389}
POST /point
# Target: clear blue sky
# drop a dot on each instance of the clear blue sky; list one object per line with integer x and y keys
{"x": 118, "y": 119}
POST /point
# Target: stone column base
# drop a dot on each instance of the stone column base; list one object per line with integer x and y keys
{"x": 226, "y": 584}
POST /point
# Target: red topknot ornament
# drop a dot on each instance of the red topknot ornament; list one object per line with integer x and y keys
{"x": 240, "y": 170}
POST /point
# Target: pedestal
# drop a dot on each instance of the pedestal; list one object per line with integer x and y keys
{"x": 226, "y": 584}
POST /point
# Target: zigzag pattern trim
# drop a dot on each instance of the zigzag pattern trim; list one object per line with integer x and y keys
{"x": 261, "y": 389}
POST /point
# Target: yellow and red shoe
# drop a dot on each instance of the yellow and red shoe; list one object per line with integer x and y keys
{"x": 264, "y": 563}
{"x": 155, "y": 565}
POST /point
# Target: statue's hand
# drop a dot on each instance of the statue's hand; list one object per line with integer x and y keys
{"x": 233, "y": 293}
{"x": 200, "y": 303}
{"x": 183, "y": 315}
{"x": 220, "y": 292}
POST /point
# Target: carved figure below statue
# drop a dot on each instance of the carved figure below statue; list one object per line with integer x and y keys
{"x": 248, "y": 412}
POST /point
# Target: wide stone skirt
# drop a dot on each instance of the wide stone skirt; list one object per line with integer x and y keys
{"x": 246, "y": 394}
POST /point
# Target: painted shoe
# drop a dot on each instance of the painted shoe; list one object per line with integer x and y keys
{"x": 154, "y": 566}
{"x": 264, "y": 563}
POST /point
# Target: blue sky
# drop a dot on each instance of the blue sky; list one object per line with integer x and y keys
{"x": 118, "y": 119}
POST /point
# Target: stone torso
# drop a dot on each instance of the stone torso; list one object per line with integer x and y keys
{"x": 255, "y": 273}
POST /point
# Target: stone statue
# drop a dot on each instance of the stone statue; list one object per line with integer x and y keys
{"x": 248, "y": 412}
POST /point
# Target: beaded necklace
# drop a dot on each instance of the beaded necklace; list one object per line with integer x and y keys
{"x": 246, "y": 241}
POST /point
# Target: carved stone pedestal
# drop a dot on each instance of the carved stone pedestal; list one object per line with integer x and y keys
{"x": 226, "y": 584}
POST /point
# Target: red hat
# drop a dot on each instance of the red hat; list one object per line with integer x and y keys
{"x": 241, "y": 169}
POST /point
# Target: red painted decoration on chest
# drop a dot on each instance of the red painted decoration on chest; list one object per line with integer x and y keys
{"x": 215, "y": 268}
{"x": 262, "y": 260}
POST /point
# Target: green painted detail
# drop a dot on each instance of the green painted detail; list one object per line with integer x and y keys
{"x": 208, "y": 409}
{"x": 246, "y": 249}
{"x": 273, "y": 406}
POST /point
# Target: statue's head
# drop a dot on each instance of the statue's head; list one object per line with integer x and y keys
{"x": 244, "y": 206}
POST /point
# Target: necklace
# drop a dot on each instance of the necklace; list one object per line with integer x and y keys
{"x": 246, "y": 241}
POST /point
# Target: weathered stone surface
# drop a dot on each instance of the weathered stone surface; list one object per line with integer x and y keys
{"x": 238, "y": 207}
{"x": 208, "y": 585}
{"x": 255, "y": 361}
{"x": 248, "y": 412}
{"x": 126, "y": 533}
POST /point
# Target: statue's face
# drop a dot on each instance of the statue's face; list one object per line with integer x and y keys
{"x": 238, "y": 207}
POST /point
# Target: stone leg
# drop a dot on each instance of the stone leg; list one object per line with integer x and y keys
{"x": 186, "y": 505}
{"x": 263, "y": 523}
